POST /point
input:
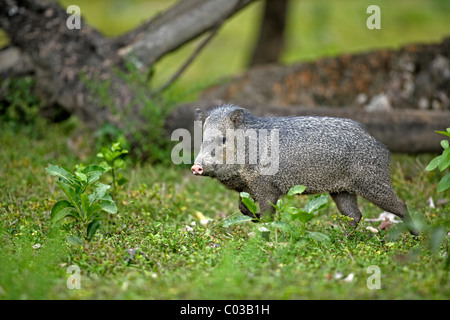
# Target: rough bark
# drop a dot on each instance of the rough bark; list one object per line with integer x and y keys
{"x": 413, "y": 77}
{"x": 174, "y": 27}
{"x": 58, "y": 57}
{"x": 79, "y": 69}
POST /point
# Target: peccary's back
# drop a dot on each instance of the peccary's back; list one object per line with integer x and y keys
{"x": 326, "y": 154}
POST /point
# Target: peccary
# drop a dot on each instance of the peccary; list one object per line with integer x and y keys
{"x": 327, "y": 155}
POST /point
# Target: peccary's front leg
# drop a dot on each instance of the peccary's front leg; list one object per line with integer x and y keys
{"x": 347, "y": 205}
{"x": 265, "y": 196}
{"x": 267, "y": 211}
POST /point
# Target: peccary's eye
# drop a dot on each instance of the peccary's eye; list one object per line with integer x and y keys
{"x": 224, "y": 139}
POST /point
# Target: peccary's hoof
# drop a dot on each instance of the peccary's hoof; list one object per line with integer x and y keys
{"x": 415, "y": 233}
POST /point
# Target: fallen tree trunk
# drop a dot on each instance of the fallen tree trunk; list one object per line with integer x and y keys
{"x": 85, "y": 72}
{"x": 411, "y": 131}
{"x": 413, "y": 77}
{"x": 173, "y": 28}
{"x": 401, "y": 96}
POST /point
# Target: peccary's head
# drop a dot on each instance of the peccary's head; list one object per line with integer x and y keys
{"x": 217, "y": 156}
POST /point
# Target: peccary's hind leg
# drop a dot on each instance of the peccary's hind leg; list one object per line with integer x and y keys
{"x": 385, "y": 197}
{"x": 348, "y": 206}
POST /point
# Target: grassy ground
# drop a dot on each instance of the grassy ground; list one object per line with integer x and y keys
{"x": 151, "y": 249}
{"x": 174, "y": 259}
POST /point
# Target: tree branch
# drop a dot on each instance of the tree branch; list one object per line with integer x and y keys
{"x": 202, "y": 45}
{"x": 167, "y": 32}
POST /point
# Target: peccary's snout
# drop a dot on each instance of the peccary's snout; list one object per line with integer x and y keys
{"x": 197, "y": 169}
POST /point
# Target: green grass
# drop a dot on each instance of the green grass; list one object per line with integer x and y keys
{"x": 172, "y": 261}
{"x": 170, "y": 257}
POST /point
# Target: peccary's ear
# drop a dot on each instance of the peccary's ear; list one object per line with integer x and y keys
{"x": 237, "y": 116}
{"x": 199, "y": 115}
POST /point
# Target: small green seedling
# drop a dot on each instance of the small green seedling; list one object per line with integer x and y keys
{"x": 82, "y": 204}
{"x": 442, "y": 162}
{"x": 114, "y": 160}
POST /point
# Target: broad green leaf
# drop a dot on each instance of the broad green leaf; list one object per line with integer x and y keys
{"x": 93, "y": 172}
{"x": 119, "y": 163}
{"x": 107, "y": 204}
{"x": 105, "y": 166}
{"x": 318, "y": 236}
{"x": 85, "y": 205}
{"x": 116, "y": 155}
{"x": 74, "y": 241}
{"x": 248, "y": 201}
{"x": 61, "y": 209}
{"x": 71, "y": 194}
{"x": 92, "y": 168}
{"x": 94, "y": 208}
{"x": 445, "y": 160}
{"x": 296, "y": 190}
{"x": 68, "y": 211}
{"x": 99, "y": 192}
{"x": 433, "y": 163}
{"x": 280, "y": 206}
{"x": 316, "y": 203}
{"x": 115, "y": 146}
{"x": 91, "y": 228}
{"x": 81, "y": 176}
{"x": 444, "y": 144}
{"x": 235, "y": 220}
{"x": 445, "y": 133}
{"x": 302, "y": 215}
{"x": 63, "y": 174}
{"x": 107, "y": 154}
{"x": 444, "y": 184}
{"x": 290, "y": 210}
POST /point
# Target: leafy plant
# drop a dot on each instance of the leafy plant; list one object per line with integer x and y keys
{"x": 113, "y": 161}
{"x": 86, "y": 197}
{"x": 303, "y": 215}
{"x": 437, "y": 233}
{"x": 284, "y": 207}
{"x": 442, "y": 162}
{"x": 19, "y": 105}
